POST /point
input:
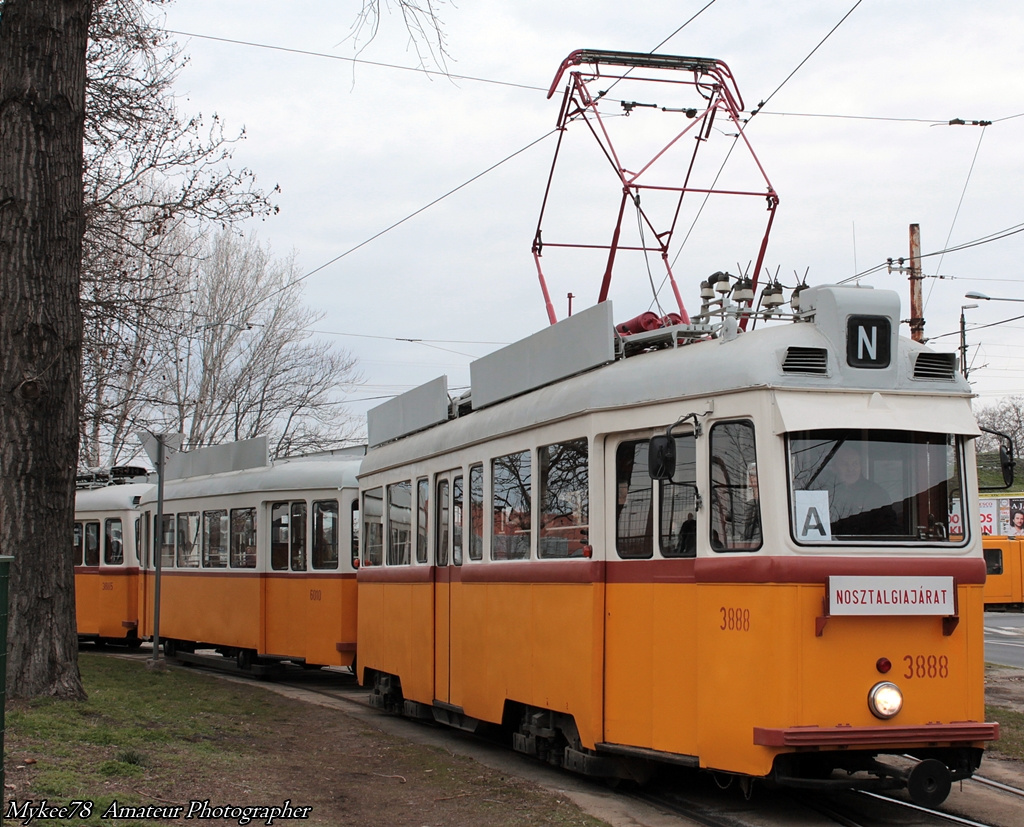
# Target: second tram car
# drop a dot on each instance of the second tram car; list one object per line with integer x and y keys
{"x": 753, "y": 553}
{"x": 256, "y": 563}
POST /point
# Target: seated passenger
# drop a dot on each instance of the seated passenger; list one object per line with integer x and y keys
{"x": 856, "y": 504}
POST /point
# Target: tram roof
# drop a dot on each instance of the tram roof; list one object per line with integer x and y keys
{"x": 283, "y": 475}
{"x": 112, "y": 497}
{"x": 809, "y": 355}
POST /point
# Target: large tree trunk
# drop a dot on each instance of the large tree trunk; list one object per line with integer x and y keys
{"x": 42, "y": 114}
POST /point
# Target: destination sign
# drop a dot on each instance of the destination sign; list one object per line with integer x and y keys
{"x": 849, "y": 595}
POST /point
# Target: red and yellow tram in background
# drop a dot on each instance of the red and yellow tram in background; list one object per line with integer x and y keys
{"x": 666, "y": 558}
{"x": 1004, "y": 552}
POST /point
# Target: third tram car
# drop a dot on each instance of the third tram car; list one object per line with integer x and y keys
{"x": 106, "y": 556}
{"x": 754, "y": 553}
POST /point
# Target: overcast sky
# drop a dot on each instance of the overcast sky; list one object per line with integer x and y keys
{"x": 857, "y": 144}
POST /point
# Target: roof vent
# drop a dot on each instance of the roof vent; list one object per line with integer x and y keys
{"x": 935, "y": 366}
{"x": 806, "y": 360}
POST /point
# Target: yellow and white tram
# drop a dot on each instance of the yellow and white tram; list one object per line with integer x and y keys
{"x": 754, "y": 553}
{"x": 105, "y": 550}
{"x": 256, "y": 563}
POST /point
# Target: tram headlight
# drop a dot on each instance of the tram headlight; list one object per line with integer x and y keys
{"x": 885, "y": 700}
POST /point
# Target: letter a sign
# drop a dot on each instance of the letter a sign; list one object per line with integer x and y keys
{"x": 868, "y": 341}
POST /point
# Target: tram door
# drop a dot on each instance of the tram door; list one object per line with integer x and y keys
{"x": 286, "y": 588}
{"x": 650, "y": 603}
{"x": 448, "y": 561}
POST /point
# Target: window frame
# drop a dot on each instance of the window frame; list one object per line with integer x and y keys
{"x": 502, "y": 502}
{"x": 320, "y": 537}
{"x": 244, "y": 527}
{"x": 723, "y": 516}
{"x": 550, "y": 537}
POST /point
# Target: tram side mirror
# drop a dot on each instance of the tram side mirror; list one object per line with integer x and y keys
{"x": 661, "y": 455}
{"x": 1006, "y": 461}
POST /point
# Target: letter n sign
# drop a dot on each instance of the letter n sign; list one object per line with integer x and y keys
{"x": 868, "y": 341}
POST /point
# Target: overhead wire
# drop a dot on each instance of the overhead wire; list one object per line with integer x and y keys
{"x": 753, "y": 112}
{"x": 802, "y": 62}
{"x": 959, "y": 204}
{"x": 356, "y": 60}
{"x": 757, "y": 110}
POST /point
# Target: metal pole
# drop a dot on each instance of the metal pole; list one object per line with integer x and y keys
{"x": 916, "y": 305}
{"x": 158, "y": 543}
{"x": 963, "y": 344}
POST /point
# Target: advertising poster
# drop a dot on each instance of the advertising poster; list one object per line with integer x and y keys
{"x": 1014, "y": 524}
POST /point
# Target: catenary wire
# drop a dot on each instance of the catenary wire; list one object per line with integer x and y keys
{"x": 959, "y": 204}
{"x": 355, "y": 60}
{"x": 802, "y": 62}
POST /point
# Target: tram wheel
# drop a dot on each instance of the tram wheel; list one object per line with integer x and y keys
{"x": 929, "y": 783}
{"x": 170, "y": 647}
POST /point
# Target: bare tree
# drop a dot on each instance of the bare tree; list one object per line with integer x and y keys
{"x": 244, "y": 362}
{"x": 1006, "y": 416}
{"x": 422, "y": 21}
{"x": 122, "y": 352}
{"x": 151, "y": 178}
{"x": 42, "y": 116}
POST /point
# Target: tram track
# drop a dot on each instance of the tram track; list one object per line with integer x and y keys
{"x": 998, "y": 785}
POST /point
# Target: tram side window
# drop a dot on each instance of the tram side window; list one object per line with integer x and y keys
{"x": 279, "y": 536}
{"x": 564, "y": 499}
{"x": 399, "y": 523}
{"x": 510, "y": 480}
{"x": 325, "y": 534}
{"x": 113, "y": 548}
{"x": 735, "y": 501}
{"x": 373, "y": 527}
{"x": 475, "y": 531}
{"x": 243, "y": 538}
{"x": 92, "y": 544}
{"x": 634, "y": 519}
{"x": 215, "y": 539}
{"x": 188, "y": 540}
{"x": 677, "y": 503}
{"x": 457, "y": 515}
{"x": 442, "y": 523}
{"x": 298, "y": 536}
{"x": 166, "y": 535}
{"x": 993, "y": 561}
{"x": 422, "y": 505}
{"x": 77, "y": 545}
{"x": 143, "y": 540}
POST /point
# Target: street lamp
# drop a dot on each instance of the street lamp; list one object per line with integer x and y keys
{"x": 982, "y": 297}
{"x": 963, "y": 337}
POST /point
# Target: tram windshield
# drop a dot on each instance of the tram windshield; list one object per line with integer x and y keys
{"x": 848, "y": 485}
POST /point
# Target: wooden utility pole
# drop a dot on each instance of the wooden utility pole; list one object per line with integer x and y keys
{"x": 916, "y": 305}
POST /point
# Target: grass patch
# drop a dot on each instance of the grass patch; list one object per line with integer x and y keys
{"x": 1011, "y": 732}
{"x": 137, "y": 726}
